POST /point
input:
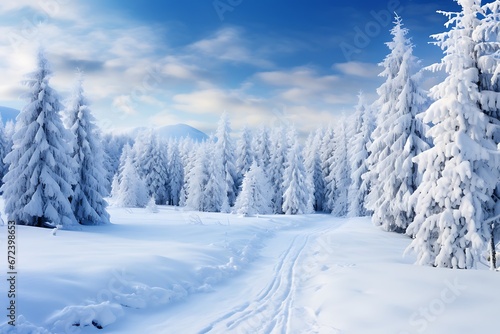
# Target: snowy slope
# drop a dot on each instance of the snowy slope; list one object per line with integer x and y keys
{"x": 177, "y": 131}
{"x": 190, "y": 272}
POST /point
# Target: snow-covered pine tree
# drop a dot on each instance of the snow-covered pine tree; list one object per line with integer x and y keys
{"x": 90, "y": 188}
{"x": 175, "y": 172}
{"x": 117, "y": 179}
{"x": 203, "y": 185}
{"x": 261, "y": 143}
{"x": 216, "y": 189}
{"x": 397, "y": 138}
{"x": 244, "y": 155}
{"x": 5, "y": 147}
{"x": 224, "y": 152}
{"x": 38, "y": 185}
{"x": 297, "y": 196}
{"x": 339, "y": 178}
{"x": 358, "y": 189}
{"x": 152, "y": 165}
{"x": 326, "y": 153}
{"x": 129, "y": 191}
{"x": 279, "y": 150}
{"x": 113, "y": 145}
{"x": 187, "y": 151}
{"x": 459, "y": 172}
{"x": 312, "y": 163}
{"x": 254, "y": 196}
{"x": 487, "y": 50}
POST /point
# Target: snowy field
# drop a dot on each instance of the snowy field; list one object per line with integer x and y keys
{"x": 191, "y": 272}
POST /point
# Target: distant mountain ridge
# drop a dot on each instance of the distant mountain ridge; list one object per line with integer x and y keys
{"x": 177, "y": 131}
{"x": 8, "y": 114}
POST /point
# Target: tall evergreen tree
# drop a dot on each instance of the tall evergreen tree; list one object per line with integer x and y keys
{"x": 38, "y": 185}
{"x": 459, "y": 172}
{"x": 261, "y": 147}
{"x": 175, "y": 172}
{"x": 5, "y": 147}
{"x": 279, "y": 149}
{"x": 152, "y": 165}
{"x": 90, "y": 188}
{"x": 326, "y": 156}
{"x": 206, "y": 186}
{"x": 244, "y": 155}
{"x": 130, "y": 191}
{"x": 486, "y": 35}
{"x": 397, "y": 137}
{"x": 117, "y": 179}
{"x": 254, "y": 196}
{"x": 297, "y": 196}
{"x": 339, "y": 178}
{"x": 312, "y": 163}
{"x": 358, "y": 189}
{"x": 224, "y": 149}
{"x": 188, "y": 152}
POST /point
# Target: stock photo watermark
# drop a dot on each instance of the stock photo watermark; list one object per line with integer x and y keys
{"x": 363, "y": 35}
{"x": 29, "y": 27}
{"x": 12, "y": 272}
{"x": 420, "y": 320}
{"x": 221, "y": 7}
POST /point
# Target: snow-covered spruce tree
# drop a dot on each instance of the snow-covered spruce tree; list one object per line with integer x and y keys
{"x": 113, "y": 145}
{"x": 459, "y": 173}
{"x": 90, "y": 188}
{"x": 206, "y": 189}
{"x": 339, "y": 179}
{"x": 279, "y": 150}
{"x": 326, "y": 154}
{"x": 358, "y": 189}
{"x": 198, "y": 179}
{"x": 224, "y": 152}
{"x": 397, "y": 137}
{"x": 216, "y": 188}
{"x": 37, "y": 186}
{"x": 297, "y": 196}
{"x": 5, "y": 147}
{"x": 244, "y": 155}
{"x": 486, "y": 35}
{"x": 312, "y": 163}
{"x": 188, "y": 153}
{"x": 130, "y": 191}
{"x": 152, "y": 165}
{"x": 117, "y": 179}
{"x": 254, "y": 196}
{"x": 175, "y": 172}
{"x": 261, "y": 149}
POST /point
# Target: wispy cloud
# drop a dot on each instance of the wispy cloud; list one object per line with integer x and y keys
{"x": 227, "y": 44}
{"x": 358, "y": 69}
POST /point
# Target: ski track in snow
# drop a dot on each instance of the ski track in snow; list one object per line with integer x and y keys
{"x": 271, "y": 311}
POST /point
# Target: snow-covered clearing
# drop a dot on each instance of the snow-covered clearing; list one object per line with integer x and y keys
{"x": 191, "y": 272}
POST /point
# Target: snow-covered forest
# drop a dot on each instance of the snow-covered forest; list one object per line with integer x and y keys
{"x": 111, "y": 223}
{"x": 420, "y": 163}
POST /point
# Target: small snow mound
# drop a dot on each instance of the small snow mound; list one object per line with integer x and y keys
{"x": 98, "y": 315}
{"x": 22, "y": 327}
{"x": 139, "y": 295}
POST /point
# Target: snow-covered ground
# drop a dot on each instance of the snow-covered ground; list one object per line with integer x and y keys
{"x": 191, "y": 272}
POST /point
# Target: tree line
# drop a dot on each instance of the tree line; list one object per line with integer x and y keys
{"x": 421, "y": 163}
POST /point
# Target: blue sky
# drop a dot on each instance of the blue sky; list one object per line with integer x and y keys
{"x": 154, "y": 63}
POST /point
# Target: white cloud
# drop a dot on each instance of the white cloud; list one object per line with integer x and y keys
{"x": 228, "y": 45}
{"x": 358, "y": 69}
{"x": 125, "y": 104}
